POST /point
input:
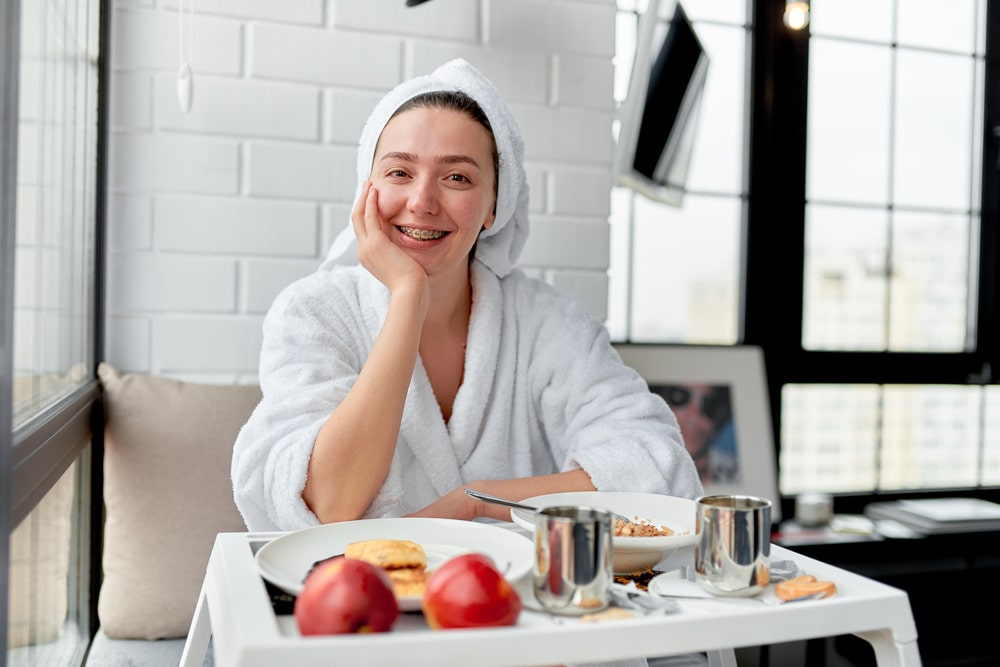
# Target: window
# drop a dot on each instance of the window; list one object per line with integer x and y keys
{"x": 51, "y": 122}
{"x": 891, "y": 250}
{"x": 892, "y": 175}
{"x": 675, "y": 272}
{"x": 838, "y": 213}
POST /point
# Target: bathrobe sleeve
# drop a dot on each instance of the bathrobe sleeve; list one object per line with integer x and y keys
{"x": 316, "y": 337}
{"x": 597, "y": 413}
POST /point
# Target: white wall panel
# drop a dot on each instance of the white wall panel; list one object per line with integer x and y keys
{"x": 235, "y": 226}
{"x": 213, "y": 212}
{"x": 240, "y": 108}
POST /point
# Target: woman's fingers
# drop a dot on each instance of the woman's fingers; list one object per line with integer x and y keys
{"x": 358, "y": 212}
{"x": 372, "y": 223}
{"x": 376, "y": 250}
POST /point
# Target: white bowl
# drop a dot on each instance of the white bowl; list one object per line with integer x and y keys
{"x": 630, "y": 554}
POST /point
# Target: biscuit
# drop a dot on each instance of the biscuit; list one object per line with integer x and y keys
{"x": 609, "y": 614}
{"x": 803, "y": 586}
{"x": 388, "y": 554}
{"x": 409, "y": 581}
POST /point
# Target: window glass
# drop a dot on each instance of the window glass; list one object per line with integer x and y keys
{"x": 835, "y": 437}
{"x": 619, "y": 263}
{"x": 54, "y": 296}
{"x": 929, "y": 285}
{"x": 626, "y": 35}
{"x": 847, "y": 292}
{"x": 933, "y": 165}
{"x": 684, "y": 270}
{"x": 717, "y": 160}
{"x": 48, "y": 569}
{"x": 848, "y": 122}
{"x": 991, "y": 436}
{"x": 858, "y": 19}
{"x": 930, "y": 437}
{"x": 895, "y": 128}
{"x": 933, "y": 24}
{"x": 713, "y": 10}
{"x": 845, "y": 283}
{"x": 56, "y": 192}
{"x": 829, "y": 438}
{"x": 675, "y": 272}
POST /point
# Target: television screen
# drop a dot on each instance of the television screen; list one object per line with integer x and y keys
{"x": 659, "y": 118}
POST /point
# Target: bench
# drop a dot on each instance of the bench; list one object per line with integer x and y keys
{"x": 167, "y": 494}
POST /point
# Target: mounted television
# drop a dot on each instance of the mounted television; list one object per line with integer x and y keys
{"x": 659, "y": 118}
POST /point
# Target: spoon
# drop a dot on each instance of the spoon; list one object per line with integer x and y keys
{"x": 521, "y": 506}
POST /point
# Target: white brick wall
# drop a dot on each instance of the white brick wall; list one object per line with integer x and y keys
{"x": 214, "y": 211}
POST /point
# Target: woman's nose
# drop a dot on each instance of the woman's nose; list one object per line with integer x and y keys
{"x": 423, "y": 196}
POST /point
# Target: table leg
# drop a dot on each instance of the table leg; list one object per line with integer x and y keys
{"x": 889, "y": 652}
{"x": 725, "y": 657}
{"x": 196, "y": 644}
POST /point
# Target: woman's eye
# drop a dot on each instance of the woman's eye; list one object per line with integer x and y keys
{"x": 459, "y": 178}
{"x": 397, "y": 173}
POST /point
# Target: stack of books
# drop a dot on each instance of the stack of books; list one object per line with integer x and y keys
{"x": 939, "y": 515}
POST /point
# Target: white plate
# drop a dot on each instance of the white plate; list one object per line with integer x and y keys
{"x": 674, "y": 583}
{"x": 630, "y": 554}
{"x": 286, "y": 561}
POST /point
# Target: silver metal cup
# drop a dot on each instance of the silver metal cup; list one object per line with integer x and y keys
{"x": 573, "y": 566}
{"x": 732, "y": 554}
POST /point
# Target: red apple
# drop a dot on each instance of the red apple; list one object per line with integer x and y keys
{"x": 346, "y": 595}
{"x": 468, "y": 592}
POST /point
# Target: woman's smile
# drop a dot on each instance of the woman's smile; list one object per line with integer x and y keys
{"x": 422, "y": 234}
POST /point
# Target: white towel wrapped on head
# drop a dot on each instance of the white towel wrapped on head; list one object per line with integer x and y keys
{"x": 499, "y": 246}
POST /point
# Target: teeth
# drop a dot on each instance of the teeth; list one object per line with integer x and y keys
{"x": 422, "y": 234}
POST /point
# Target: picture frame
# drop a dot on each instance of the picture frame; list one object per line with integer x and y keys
{"x": 732, "y": 374}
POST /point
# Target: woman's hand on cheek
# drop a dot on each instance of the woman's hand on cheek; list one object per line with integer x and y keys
{"x": 376, "y": 251}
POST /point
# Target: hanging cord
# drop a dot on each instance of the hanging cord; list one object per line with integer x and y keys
{"x": 185, "y": 76}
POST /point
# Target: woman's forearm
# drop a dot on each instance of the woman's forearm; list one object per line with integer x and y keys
{"x": 354, "y": 448}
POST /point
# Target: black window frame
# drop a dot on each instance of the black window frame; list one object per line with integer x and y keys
{"x": 775, "y": 242}
{"x": 35, "y": 455}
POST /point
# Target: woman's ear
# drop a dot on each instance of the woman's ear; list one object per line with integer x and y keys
{"x": 490, "y": 220}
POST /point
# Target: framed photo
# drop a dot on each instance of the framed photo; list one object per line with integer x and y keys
{"x": 719, "y": 395}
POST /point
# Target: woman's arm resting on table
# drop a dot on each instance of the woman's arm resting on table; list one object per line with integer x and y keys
{"x": 457, "y": 504}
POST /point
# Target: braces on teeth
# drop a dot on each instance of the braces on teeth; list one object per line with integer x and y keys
{"x": 422, "y": 234}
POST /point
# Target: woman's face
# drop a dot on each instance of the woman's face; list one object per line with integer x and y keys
{"x": 433, "y": 170}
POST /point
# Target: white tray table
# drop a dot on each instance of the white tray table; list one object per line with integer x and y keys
{"x": 235, "y": 611}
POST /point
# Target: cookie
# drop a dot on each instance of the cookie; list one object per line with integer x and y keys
{"x": 408, "y": 581}
{"x": 388, "y": 554}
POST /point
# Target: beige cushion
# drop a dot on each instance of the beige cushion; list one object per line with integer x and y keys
{"x": 167, "y": 493}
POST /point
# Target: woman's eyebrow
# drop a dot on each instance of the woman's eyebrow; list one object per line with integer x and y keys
{"x": 398, "y": 155}
{"x": 458, "y": 159}
{"x": 444, "y": 159}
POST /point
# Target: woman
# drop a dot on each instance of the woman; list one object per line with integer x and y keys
{"x": 435, "y": 365}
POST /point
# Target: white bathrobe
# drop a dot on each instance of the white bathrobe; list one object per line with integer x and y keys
{"x": 543, "y": 392}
